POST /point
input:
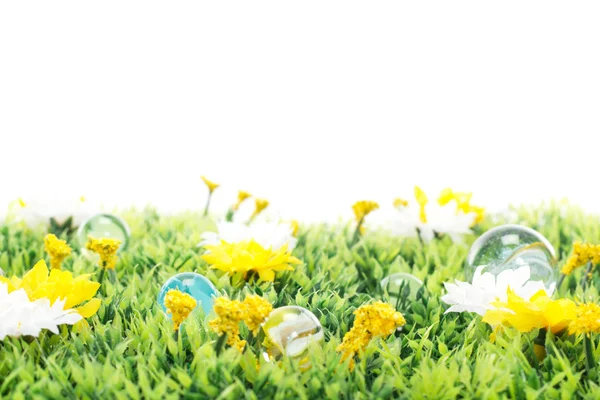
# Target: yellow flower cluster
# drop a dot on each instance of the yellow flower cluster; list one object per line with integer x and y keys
{"x": 463, "y": 203}
{"x": 210, "y": 184}
{"x": 363, "y": 208}
{"x": 252, "y": 311}
{"x": 106, "y": 249}
{"x": 57, "y": 249}
{"x": 242, "y": 196}
{"x": 582, "y": 254}
{"x": 259, "y": 206}
{"x": 538, "y": 312}
{"x": 179, "y": 305}
{"x": 373, "y": 320}
{"x": 587, "y": 320}
{"x": 39, "y": 283}
{"x": 249, "y": 256}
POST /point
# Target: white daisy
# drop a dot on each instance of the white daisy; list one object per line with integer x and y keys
{"x": 35, "y": 211}
{"x": 267, "y": 234}
{"x": 21, "y": 317}
{"x": 486, "y": 288}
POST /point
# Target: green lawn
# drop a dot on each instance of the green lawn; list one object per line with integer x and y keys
{"x": 130, "y": 350}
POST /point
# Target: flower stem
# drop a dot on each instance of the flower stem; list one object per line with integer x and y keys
{"x": 356, "y": 234}
{"x": 589, "y": 353}
{"x": 561, "y": 278}
{"x": 420, "y": 237}
{"x": 207, "y": 204}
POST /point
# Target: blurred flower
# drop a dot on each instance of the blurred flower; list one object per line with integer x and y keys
{"x": 107, "y": 250}
{"x": 229, "y": 315}
{"x": 582, "y": 254}
{"x": 295, "y": 227}
{"x": 249, "y": 256}
{"x": 35, "y": 212}
{"x": 242, "y": 196}
{"x": 486, "y": 288}
{"x": 259, "y": 206}
{"x": 57, "y": 249}
{"x": 463, "y": 203}
{"x": 21, "y": 316}
{"x": 179, "y": 305}
{"x": 270, "y": 235}
{"x": 373, "y": 320}
{"x": 363, "y": 208}
{"x": 421, "y": 198}
{"x": 57, "y": 285}
{"x": 209, "y": 184}
{"x": 587, "y": 319}
{"x": 538, "y": 312}
{"x": 400, "y": 203}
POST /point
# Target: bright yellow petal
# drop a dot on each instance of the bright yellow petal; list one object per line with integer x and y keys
{"x": 90, "y": 308}
{"x": 420, "y": 196}
{"x": 267, "y": 275}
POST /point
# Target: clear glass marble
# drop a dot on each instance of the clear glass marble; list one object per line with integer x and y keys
{"x": 291, "y": 330}
{"x": 104, "y": 226}
{"x": 196, "y": 285}
{"x": 510, "y": 247}
{"x": 401, "y": 285}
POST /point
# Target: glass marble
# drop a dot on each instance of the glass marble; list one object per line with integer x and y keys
{"x": 196, "y": 285}
{"x": 104, "y": 226}
{"x": 510, "y": 247}
{"x": 291, "y": 330}
{"x": 401, "y": 284}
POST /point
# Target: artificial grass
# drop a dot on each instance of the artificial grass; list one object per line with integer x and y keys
{"x": 130, "y": 350}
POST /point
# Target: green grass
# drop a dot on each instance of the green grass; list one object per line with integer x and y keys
{"x": 130, "y": 350}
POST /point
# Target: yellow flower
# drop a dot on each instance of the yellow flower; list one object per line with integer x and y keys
{"x": 295, "y": 227}
{"x": 229, "y": 315}
{"x": 179, "y": 305}
{"x": 82, "y": 199}
{"x": 57, "y": 249}
{"x": 22, "y": 203}
{"x": 210, "y": 184}
{"x": 259, "y": 206}
{"x": 363, "y": 208}
{"x": 243, "y": 257}
{"x": 463, "y": 203}
{"x": 39, "y": 284}
{"x": 422, "y": 200}
{"x": 582, "y": 254}
{"x": 399, "y": 203}
{"x": 587, "y": 320}
{"x": 378, "y": 319}
{"x": 242, "y": 196}
{"x": 539, "y": 312}
{"x": 106, "y": 249}
{"x": 257, "y": 310}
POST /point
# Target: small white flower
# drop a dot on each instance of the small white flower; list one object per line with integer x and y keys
{"x": 486, "y": 288}
{"x": 440, "y": 219}
{"x": 21, "y": 317}
{"x": 267, "y": 234}
{"x": 35, "y": 212}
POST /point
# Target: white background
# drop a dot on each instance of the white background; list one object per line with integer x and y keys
{"x": 311, "y": 104}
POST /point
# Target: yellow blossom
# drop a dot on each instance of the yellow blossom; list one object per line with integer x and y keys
{"x": 210, "y": 184}
{"x": 582, "y": 254}
{"x": 106, "y": 249}
{"x": 363, "y": 208}
{"x": 259, "y": 206}
{"x": 587, "y": 320}
{"x": 463, "y": 203}
{"x": 374, "y": 320}
{"x": 399, "y": 203}
{"x": 82, "y": 199}
{"x": 257, "y": 310}
{"x": 57, "y": 249}
{"x": 422, "y": 200}
{"x": 22, "y": 203}
{"x": 179, "y": 305}
{"x": 295, "y": 227}
{"x": 539, "y": 312}
{"x": 246, "y": 256}
{"x": 39, "y": 283}
{"x": 242, "y": 196}
{"x": 229, "y": 315}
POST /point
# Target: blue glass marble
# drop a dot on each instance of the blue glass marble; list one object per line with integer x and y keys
{"x": 196, "y": 285}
